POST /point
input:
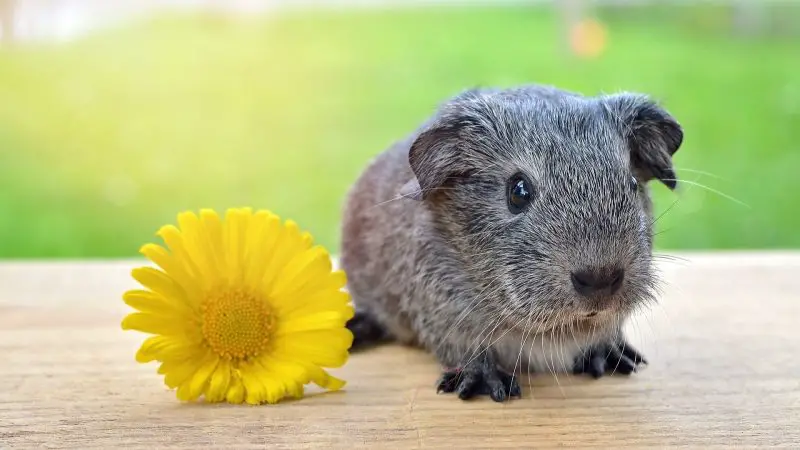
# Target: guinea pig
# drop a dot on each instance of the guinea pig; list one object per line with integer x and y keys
{"x": 511, "y": 232}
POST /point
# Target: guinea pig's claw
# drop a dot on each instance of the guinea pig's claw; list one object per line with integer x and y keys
{"x": 479, "y": 378}
{"x": 609, "y": 359}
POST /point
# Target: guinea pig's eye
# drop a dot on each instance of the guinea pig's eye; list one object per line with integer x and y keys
{"x": 634, "y": 184}
{"x": 519, "y": 193}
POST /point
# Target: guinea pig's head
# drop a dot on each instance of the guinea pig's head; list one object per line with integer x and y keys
{"x": 542, "y": 195}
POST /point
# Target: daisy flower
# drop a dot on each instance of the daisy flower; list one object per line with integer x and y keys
{"x": 243, "y": 309}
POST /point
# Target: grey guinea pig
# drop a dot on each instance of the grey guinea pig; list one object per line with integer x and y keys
{"x": 512, "y": 231}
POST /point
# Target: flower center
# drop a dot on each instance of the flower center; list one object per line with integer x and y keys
{"x": 236, "y": 323}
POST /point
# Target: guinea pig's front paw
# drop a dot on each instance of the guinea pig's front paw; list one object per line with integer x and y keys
{"x": 609, "y": 358}
{"x": 480, "y": 377}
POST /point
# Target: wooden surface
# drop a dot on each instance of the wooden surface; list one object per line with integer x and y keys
{"x": 724, "y": 347}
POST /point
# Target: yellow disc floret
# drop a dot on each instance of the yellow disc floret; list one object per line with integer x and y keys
{"x": 236, "y": 323}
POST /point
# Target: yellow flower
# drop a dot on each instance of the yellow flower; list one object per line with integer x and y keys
{"x": 243, "y": 310}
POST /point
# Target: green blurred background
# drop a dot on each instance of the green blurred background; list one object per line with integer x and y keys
{"x": 107, "y": 136}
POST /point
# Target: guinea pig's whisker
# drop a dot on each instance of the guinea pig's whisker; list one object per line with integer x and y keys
{"x": 530, "y": 349}
{"x": 700, "y": 172}
{"x": 617, "y": 336}
{"x": 487, "y": 167}
{"x": 401, "y": 197}
{"x": 575, "y": 338}
{"x": 508, "y": 329}
{"x": 663, "y": 231}
{"x": 647, "y": 315}
{"x": 594, "y": 332}
{"x": 474, "y": 307}
{"x": 554, "y": 369}
{"x": 524, "y": 339}
{"x": 664, "y": 213}
{"x": 566, "y": 356}
{"x": 479, "y": 349}
{"x": 488, "y": 346}
{"x": 548, "y": 362}
{"x": 530, "y": 353}
{"x": 542, "y": 338}
{"x": 667, "y": 256}
{"x": 477, "y": 301}
{"x": 649, "y": 300}
{"x": 562, "y": 339}
{"x": 494, "y": 324}
{"x": 474, "y": 347}
{"x": 503, "y": 318}
{"x": 663, "y": 284}
{"x": 665, "y": 259}
{"x": 710, "y": 189}
{"x": 488, "y": 324}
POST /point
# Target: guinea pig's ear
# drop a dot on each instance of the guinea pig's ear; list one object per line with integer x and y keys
{"x": 653, "y": 136}
{"x": 411, "y": 190}
{"x": 434, "y": 157}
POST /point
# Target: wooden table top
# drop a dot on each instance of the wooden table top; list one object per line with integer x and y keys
{"x": 723, "y": 345}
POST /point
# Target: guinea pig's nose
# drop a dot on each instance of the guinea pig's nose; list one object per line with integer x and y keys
{"x": 597, "y": 280}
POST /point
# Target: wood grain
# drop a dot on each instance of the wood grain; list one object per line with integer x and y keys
{"x": 724, "y": 372}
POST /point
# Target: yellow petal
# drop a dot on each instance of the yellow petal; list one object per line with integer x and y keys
{"x": 294, "y": 389}
{"x": 178, "y": 373}
{"x": 236, "y": 392}
{"x": 337, "y": 279}
{"x": 304, "y": 269}
{"x": 184, "y": 392}
{"x": 288, "y": 244}
{"x": 306, "y": 239}
{"x": 151, "y": 302}
{"x": 273, "y": 239}
{"x": 323, "y": 379}
{"x": 201, "y": 377}
{"x": 285, "y": 368}
{"x": 318, "y": 321}
{"x": 167, "y": 262}
{"x": 161, "y": 283}
{"x": 196, "y": 245}
{"x": 323, "y": 300}
{"x": 212, "y": 230}
{"x": 332, "y": 383}
{"x": 302, "y": 239}
{"x": 258, "y": 237}
{"x": 220, "y": 381}
{"x": 338, "y": 338}
{"x": 234, "y": 241}
{"x": 315, "y": 353}
{"x": 255, "y": 392}
{"x": 164, "y": 347}
{"x": 174, "y": 239}
{"x": 292, "y": 374}
{"x": 275, "y": 387}
{"x": 152, "y": 324}
{"x": 150, "y": 349}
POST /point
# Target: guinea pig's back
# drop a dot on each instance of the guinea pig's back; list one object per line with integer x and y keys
{"x": 377, "y": 232}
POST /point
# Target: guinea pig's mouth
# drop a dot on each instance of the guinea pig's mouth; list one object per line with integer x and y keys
{"x": 592, "y": 319}
{"x": 586, "y": 324}
{"x": 577, "y": 323}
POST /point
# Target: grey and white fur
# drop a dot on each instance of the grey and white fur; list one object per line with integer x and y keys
{"x": 511, "y": 232}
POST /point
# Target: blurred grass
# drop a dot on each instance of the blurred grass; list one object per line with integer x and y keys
{"x": 105, "y": 139}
